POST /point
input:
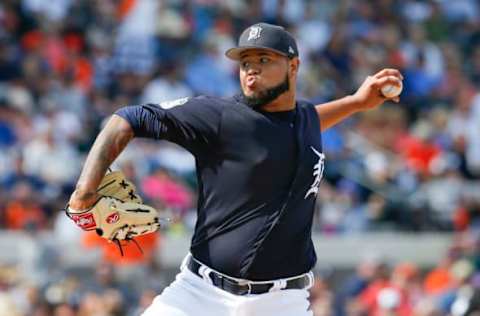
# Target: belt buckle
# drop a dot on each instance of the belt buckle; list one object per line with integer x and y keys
{"x": 278, "y": 285}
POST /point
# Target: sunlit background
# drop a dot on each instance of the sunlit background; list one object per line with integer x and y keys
{"x": 397, "y": 221}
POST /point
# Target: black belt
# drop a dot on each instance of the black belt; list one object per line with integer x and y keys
{"x": 243, "y": 288}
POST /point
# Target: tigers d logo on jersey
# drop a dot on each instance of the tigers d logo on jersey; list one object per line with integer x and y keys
{"x": 317, "y": 173}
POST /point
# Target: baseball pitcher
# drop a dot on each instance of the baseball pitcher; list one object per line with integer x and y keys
{"x": 259, "y": 163}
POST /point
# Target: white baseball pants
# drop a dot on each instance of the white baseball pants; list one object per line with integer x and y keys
{"x": 190, "y": 295}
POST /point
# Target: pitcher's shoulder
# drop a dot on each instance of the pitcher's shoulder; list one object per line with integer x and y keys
{"x": 214, "y": 101}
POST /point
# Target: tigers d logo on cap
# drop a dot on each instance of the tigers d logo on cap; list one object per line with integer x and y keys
{"x": 264, "y": 36}
{"x": 255, "y": 32}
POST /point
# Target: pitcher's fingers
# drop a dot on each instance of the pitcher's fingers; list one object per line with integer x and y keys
{"x": 380, "y": 82}
{"x": 389, "y": 72}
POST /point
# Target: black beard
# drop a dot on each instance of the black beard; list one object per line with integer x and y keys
{"x": 266, "y": 96}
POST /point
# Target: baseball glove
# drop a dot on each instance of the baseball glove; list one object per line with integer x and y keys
{"x": 119, "y": 214}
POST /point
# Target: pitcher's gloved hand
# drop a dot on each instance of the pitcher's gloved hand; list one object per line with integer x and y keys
{"x": 118, "y": 214}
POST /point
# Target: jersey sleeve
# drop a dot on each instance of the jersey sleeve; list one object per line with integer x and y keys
{"x": 193, "y": 123}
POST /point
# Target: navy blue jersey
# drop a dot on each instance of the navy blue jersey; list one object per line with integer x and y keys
{"x": 258, "y": 175}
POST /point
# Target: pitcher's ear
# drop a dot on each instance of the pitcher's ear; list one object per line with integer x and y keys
{"x": 293, "y": 65}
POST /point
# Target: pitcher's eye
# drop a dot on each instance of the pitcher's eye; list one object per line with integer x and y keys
{"x": 264, "y": 60}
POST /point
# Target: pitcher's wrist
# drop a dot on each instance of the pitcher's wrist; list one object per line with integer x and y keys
{"x": 82, "y": 199}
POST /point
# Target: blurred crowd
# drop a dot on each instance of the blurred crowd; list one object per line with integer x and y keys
{"x": 66, "y": 65}
{"x": 414, "y": 166}
{"x": 379, "y": 288}
{"x": 104, "y": 291}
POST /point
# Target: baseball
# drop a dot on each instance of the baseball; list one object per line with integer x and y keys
{"x": 391, "y": 91}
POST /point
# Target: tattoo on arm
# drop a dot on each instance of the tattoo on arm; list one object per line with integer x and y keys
{"x": 109, "y": 144}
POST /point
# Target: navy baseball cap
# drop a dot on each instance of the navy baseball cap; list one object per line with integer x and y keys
{"x": 265, "y": 36}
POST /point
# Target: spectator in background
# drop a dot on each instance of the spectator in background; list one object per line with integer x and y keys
{"x": 17, "y": 174}
{"x": 167, "y": 86}
{"x": 56, "y": 162}
{"x": 105, "y": 295}
{"x": 370, "y": 268}
{"x": 167, "y": 192}
{"x": 394, "y": 296}
{"x": 455, "y": 300}
{"x": 206, "y": 76}
{"x": 424, "y": 62}
{"x": 23, "y": 211}
{"x": 439, "y": 280}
